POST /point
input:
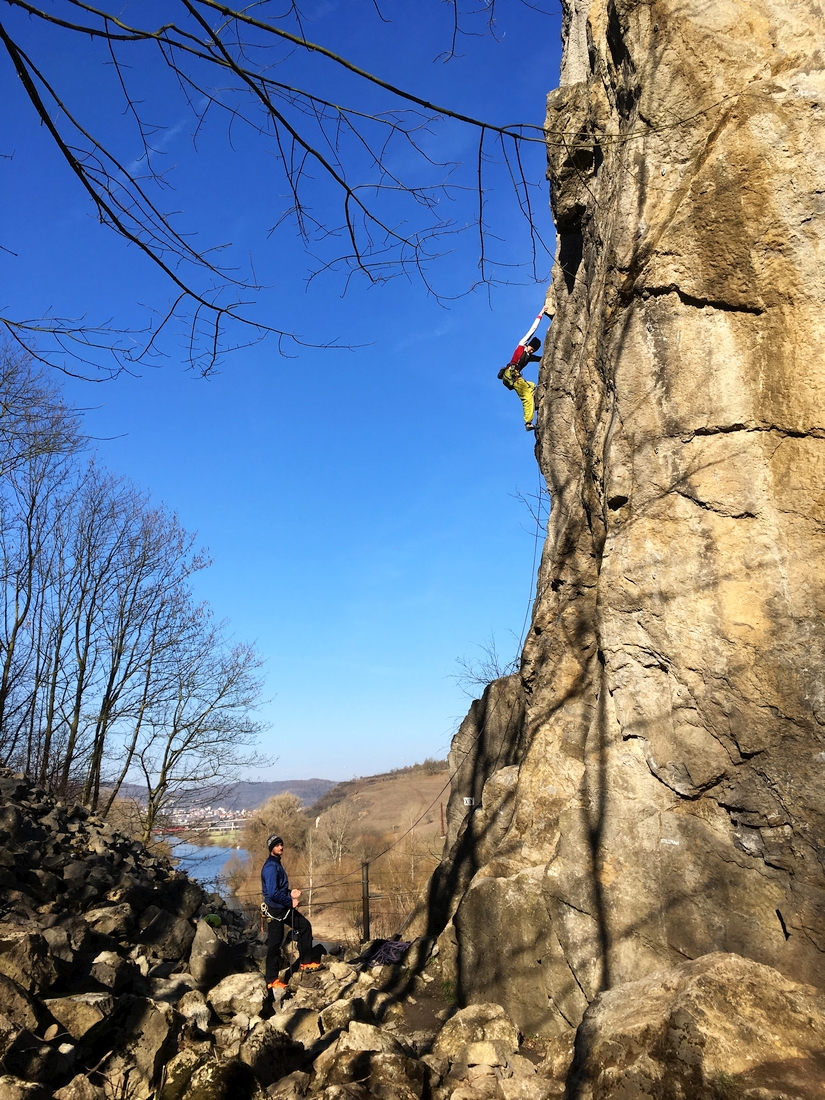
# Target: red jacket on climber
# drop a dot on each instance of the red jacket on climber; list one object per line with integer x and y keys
{"x": 510, "y": 374}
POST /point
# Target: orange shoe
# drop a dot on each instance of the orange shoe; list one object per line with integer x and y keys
{"x": 277, "y": 984}
{"x": 310, "y": 966}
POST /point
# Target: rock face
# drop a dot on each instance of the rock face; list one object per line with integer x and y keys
{"x": 662, "y": 796}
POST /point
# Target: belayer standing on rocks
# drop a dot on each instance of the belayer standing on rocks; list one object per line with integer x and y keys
{"x": 279, "y": 909}
{"x": 524, "y": 354}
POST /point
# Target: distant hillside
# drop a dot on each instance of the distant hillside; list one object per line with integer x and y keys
{"x": 391, "y": 800}
{"x": 248, "y": 796}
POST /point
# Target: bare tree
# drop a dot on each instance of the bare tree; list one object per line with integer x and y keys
{"x": 35, "y": 420}
{"x": 363, "y": 194}
{"x": 107, "y": 665}
{"x": 337, "y": 830}
{"x": 201, "y": 733}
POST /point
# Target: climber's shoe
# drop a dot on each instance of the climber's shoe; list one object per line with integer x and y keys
{"x": 277, "y": 985}
{"x": 310, "y": 966}
{"x": 529, "y": 427}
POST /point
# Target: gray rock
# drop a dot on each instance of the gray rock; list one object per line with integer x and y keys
{"x": 16, "y": 1004}
{"x": 79, "y": 1088}
{"x": 341, "y": 1012}
{"x": 529, "y": 1088}
{"x": 80, "y": 1012}
{"x": 14, "y": 1088}
{"x": 113, "y": 971}
{"x": 193, "y": 1007}
{"x": 140, "y": 1032}
{"x": 27, "y": 1056}
{"x": 179, "y": 1073}
{"x": 114, "y": 920}
{"x": 171, "y": 989}
{"x": 292, "y": 1087}
{"x": 360, "y": 1036}
{"x": 225, "y": 1080}
{"x": 475, "y": 1024}
{"x": 25, "y": 958}
{"x": 300, "y": 1024}
{"x": 394, "y": 1076}
{"x": 271, "y": 1053}
{"x": 719, "y": 1026}
{"x": 660, "y": 762}
{"x": 182, "y": 897}
{"x": 10, "y": 821}
{"x": 238, "y": 993}
{"x": 210, "y": 958}
{"x": 170, "y": 937}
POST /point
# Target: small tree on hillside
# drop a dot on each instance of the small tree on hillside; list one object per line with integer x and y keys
{"x": 282, "y": 814}
{"x": 336, "y": 829}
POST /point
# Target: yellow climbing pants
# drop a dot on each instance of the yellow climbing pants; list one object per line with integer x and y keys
{"x": 526, "y": 391}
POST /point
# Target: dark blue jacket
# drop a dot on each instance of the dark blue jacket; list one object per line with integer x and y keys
{"x": 275, "y": 884}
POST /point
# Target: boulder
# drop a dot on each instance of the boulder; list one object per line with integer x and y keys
{"x": 475, "y": 1024}
{"x": 558, "y": 1057}
{"x": 227, "y": 1080}
{"x": 341, "y": 1012}
{"x": 171, "y": 989}
{"x": 360, "y": 1036}
{"x": 342, "y": 971}
{"x": 179, "y": 1073}
{"x": 353, "y": 1091}
{"x": 396, "y": 1077}
{"x": 79, "y": 1088}
{"x": 10, "y": 820}
{"x": 210, "y": 958}
{"x": 193, "y": 1007}
{"x": 67, "y": 939}
{"x": 16, "y": 1004}
{"x": 9, "y": 1031}
{"x": 238, "y": 993}
{"x": 487, "y": 1052}
{"x": 719, "y": 1026}
{"x": 80, "y": 1012}
{"x": 300, "y": 1024}
{"x": 140, "y": 1033}
{"x": 25, "y": 1055}
{"x": 270, "y": 1053}
{"x": 113, "y": 971}
{"x": 418, "y": 953}
{"x": 182, "y": 897}
{"x": 170, "y": 937}
{"x": 529, "y": 1088}
{"x": 292, "y": 1087}
{"x": 25, "y": 958}
{"x": 345, "y": 1067}
{"x": 14, "y": 1088}
{"x": 113, "y": 920}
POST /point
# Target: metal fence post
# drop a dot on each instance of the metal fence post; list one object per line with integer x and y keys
{"x": 365, "y": 898}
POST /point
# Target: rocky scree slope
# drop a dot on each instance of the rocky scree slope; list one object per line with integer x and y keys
{"x": 650, "y": 787}
{"x": 114, "y": 987}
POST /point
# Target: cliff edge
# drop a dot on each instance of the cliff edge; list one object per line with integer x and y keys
{"x": 657, "y": 787}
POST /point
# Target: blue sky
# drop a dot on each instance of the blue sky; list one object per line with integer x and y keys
{"x": 358, "y": 504}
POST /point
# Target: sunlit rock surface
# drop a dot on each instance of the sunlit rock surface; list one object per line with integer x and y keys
{"x": 662, "y": 795}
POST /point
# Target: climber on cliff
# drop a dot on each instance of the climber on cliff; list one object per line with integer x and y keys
{"x": 510, "y": 375}
{"x": 279, "y": 908}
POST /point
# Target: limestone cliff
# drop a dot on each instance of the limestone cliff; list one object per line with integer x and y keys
{"x": 657, "y": 787}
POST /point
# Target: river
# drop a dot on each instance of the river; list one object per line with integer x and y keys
{"x": 206, "y": 864}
